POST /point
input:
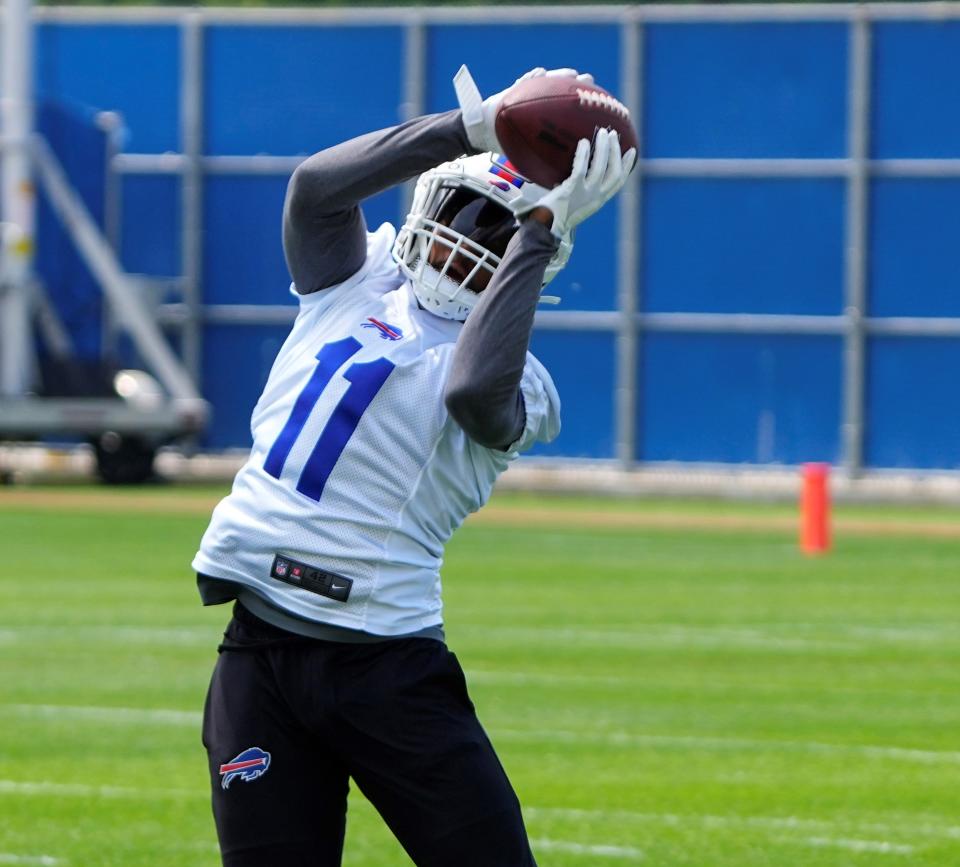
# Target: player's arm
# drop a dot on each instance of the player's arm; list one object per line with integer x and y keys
{"x": 324, "y": 232}
{"x": 483, "y": 390}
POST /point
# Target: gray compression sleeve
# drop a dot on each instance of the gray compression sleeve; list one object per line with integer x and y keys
{"x": 483, "y": 390}
{"x": 324, "y": 233}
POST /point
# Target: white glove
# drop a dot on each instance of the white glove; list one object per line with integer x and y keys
{"x": 591, "y": 183}
{"x": 479, "y": 114}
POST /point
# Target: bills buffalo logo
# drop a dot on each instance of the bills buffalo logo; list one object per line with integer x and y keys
{"x": 387, "y": 331}
{"x": 506, "y": 172}
{"x": 248, "y": 766}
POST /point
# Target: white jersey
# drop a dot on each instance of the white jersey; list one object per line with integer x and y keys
{"x": 358, "y": 476}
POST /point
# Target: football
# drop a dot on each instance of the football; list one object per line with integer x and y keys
{"x": 540, "y": 121}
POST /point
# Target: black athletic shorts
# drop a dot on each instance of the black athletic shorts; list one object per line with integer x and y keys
{"x": 289, "y": 719}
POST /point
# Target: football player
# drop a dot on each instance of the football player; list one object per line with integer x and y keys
{"x": 403, "y": 390}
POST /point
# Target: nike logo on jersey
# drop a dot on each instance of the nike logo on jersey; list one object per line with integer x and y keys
{"x": 311, "y": 578}
{"x": 387, "y": 331}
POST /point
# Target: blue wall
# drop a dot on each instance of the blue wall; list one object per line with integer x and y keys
{"x": 736, "y": 245}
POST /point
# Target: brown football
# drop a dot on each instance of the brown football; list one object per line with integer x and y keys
{"x": 540, "y": 121}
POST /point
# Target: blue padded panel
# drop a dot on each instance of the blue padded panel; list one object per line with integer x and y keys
{"x": 80, "y": 147}
{"x": 913, "y": 414}
{"x": 914, "y": 253}
{"x": 243, "y": 251}
{"x": 133, "y": 69}
{"x": 743, "y": 246}
{"x": 150, "y": 234}
{"x": 583, "y": 367}
{"x": 760, "y": 399}
{"x": 589, "y": 282}
{"x": 916, "y": 89}
{"x": 298, "y": 89}
{"x": 593, "y": 48}
{"x": 745, "y": 90}
{"x": 236, "y": 363}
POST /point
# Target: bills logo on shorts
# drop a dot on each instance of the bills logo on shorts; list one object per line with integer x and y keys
{"x": 248, "y": 766}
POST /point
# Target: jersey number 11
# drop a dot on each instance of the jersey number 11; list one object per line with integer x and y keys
{"x": 365, "y": 381}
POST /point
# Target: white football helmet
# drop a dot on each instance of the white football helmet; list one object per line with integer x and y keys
{"x": 457, "y": 231}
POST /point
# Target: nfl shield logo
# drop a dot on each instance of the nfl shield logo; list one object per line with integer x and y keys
{"x": 281, "y": 568}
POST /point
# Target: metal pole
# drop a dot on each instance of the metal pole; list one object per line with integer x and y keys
{"x": 18, "y": 203}
{"x": 112, "y": 125}
{"x": 414, "y": 90}
{"x": 191, "y": 135}
{"x": 855, "y": 289}
{"x": 628, "y": 253}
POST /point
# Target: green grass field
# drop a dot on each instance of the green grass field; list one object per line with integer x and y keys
{"x": 662, "y": 691}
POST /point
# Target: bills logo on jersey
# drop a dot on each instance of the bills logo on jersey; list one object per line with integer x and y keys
{"x": 250, "y": 765}
{"x": 387, "y": 331}
{"x": 506, "y": 171}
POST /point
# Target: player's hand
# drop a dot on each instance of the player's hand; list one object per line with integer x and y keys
{"x": 479, "y": 114}
{"x": 598, "y": 174}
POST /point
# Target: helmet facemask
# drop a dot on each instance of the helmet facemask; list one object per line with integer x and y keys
{"x": 457, "y": 232}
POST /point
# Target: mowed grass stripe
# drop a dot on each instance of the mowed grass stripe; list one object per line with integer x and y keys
{"x": 892, "y": 827}
{"x": 701, "y": 743}
{"x": 618, "y": 739}
{"x": 97, "y": 715}
{"x": 507, "y": 510}
{"x": 54, "y": 790}
{"x": 776, "y": 638}
{"x": 778, "y": 825}
{"x": 535, "y": 815}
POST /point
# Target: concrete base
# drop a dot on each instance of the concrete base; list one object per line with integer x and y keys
{"x": 23, "y": 463}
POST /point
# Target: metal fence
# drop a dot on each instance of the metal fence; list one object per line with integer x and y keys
{"x": 639, "y": 336}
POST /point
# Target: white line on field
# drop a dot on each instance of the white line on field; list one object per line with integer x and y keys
{"x": 168, "y": 716}
{"x": 783, "y": 636}
{"x": 776, "y": 635}
{"x": 880, "y": 846}
{"x": 937, "y": 632}
{"x": 123, "y": 715}
{"x": 38, "y": 860}
{"x": 928, "y": 827}
{"x": 545, "y": 844}
{"x": 122, "y": 634}
{"x": 658, "y": 636}
{"x": 524, "y": 678}
{"x": 83, "y": 790}
{"x": 629, "y": 739}
{"x": 636, "y": 680}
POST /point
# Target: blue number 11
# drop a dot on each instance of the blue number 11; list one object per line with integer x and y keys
{"x": 365, "y": 381}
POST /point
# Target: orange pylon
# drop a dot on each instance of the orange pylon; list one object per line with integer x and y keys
{"x": 815, "y": 509}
